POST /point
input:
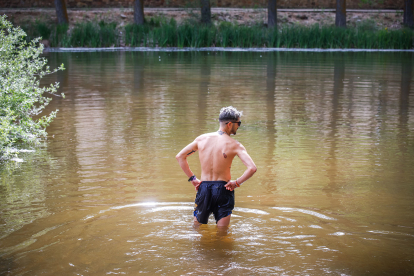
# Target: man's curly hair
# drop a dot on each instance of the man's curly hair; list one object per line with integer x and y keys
{"x": 230, "y": 114}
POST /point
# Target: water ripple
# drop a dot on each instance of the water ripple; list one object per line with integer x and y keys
{"x": 308, "y": 212}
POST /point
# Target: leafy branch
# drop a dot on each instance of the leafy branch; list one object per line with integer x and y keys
{"x": 21, "y": 97}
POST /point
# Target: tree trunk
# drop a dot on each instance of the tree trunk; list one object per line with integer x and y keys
{"x": 205, "y": 11}
{"x": 271, "y": 13}
{"x": 340, "y": 20}
{"x": 61, "y": 12}
{"x": 139, "y": 12}
{"x": 408, "y": 13}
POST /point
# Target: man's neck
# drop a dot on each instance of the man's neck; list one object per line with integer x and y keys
{"x": 222, "y": 132}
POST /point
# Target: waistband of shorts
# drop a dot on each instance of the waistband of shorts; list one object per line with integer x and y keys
{"x": 215, "y": 182}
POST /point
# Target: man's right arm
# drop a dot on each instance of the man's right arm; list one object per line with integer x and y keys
{"x": 182, "y": 160}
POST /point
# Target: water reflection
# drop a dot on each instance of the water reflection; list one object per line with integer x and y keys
{"x": 406, "y": 79}
{"x": 23, "y": 193}
{"x": 271, "y": 79}
{"x": 330, "y": 134}
{"x": 338, "y": 91}
{"x": 138, "y": 65}
{"x": 204, "y": 83}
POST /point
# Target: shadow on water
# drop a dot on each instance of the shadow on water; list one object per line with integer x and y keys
{"x": 406, "y": 79}
{"x": 6, "y": 265}
{"x": 405, "y": 148}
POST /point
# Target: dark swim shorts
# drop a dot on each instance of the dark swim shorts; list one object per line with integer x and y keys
{"x": 212, "y": 197}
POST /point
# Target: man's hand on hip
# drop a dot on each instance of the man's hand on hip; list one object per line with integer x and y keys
{"x": 231, "y": 185}
{"x": 196, "y": 183}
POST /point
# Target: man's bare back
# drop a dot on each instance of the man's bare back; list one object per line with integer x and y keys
{"x": 216, "y": 152}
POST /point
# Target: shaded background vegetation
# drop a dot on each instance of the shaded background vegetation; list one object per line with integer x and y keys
{"x": 161, "y": 32}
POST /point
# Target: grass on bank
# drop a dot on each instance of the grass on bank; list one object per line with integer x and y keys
{"x": 160, "y": 32}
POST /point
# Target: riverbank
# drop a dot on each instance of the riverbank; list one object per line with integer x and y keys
{"x": 245, "y": 28}
{"x": 216, "y": 49}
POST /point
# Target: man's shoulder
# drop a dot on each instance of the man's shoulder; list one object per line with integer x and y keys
{"x": 206, "y": 136}
{"x": 237, "y": 144}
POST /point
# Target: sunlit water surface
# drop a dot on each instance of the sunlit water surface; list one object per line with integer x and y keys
{"x": 331, "y": 134}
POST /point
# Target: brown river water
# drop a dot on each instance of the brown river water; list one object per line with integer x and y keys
{"x": 332, "y": 135}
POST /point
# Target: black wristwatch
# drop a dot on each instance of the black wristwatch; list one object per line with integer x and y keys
{"x": 192, "y": 178}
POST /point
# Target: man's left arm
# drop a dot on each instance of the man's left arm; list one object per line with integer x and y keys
{"x": 250, "y": 170}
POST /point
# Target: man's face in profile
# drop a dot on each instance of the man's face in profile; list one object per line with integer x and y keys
{"x": 235, "y": 126}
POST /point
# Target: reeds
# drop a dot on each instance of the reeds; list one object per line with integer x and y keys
{"x": 84, "y": 34}
{"x": 37, "y": 29}
{"x": 92, "y": 34}
{"x": 227, "y": 34}
{"x": 332, "y": 37}
{"x": 160, "y": 32}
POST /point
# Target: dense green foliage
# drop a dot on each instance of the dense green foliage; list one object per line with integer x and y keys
{"x": 21, "y": 97}
{"x": 160, "y": 32}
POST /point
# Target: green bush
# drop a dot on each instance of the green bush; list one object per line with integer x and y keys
{"x": 21, "y": 98}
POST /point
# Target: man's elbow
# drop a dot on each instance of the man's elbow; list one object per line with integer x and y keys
{"x": 179, "y": 157}
{"x": 253, "y": 170}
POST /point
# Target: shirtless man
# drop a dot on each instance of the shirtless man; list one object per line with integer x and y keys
{"x": 215, "y": 189}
